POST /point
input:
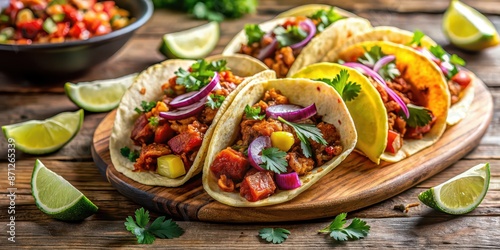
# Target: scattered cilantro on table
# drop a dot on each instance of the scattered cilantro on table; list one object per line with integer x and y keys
{"x": 356, "y": 230}
{"x": 160, "y": 228}
{"x": 214, "y": 10}
{"x": 274, "y": 235}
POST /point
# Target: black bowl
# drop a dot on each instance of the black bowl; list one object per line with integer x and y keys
{"x": 72, "y": 57}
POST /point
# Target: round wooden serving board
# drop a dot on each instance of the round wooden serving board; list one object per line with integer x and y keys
{"x": 354, "y": 184}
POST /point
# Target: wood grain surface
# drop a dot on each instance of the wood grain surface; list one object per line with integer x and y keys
{"x": 355, "y": 183}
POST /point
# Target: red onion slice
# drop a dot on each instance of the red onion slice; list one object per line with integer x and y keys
{"x": 308, "y": 25}
{"x": 288, "y": 181}
{"x": 382, "y": 62}
{"x": 291, "y": 112}
{"x": 367, "y": 71}
{"x": 194, "y": 96}
{"x": 268, "y": 50}
{"x": 255, "y": 148}
{"x": 184, "y": 112}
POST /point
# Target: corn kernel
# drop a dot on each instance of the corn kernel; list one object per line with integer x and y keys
{"x": 282, "y": 140}
{"x": 170, "y": 166}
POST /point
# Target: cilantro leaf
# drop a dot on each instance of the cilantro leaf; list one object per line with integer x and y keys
{"x": 154, "y": 120}
{"x": 146, "y": 107}
{"x": 160, "y": 227}
{"x": 290, "y": 35}
{"x": 455, "y": 59}
{"x": 437, "y": 51}
{"x": 372, "y": 56}
{"x": 325, "y": 18}
{"x": 214, "y": 101}
{"x": 356, "y": 230}
{"x": 200, "y": 74}
{"x": 131, "y": 155}
{"x": 274, "y": 235}
{"x": 419, "y": 116}
{"x": 253, "y": 113}
{"x": 254, "y": 33}
{"x": 417, "y": 38}
{"x": 305, "y": 132}
{"x": 347, "y": 90}
{"x": 274, "y": 160}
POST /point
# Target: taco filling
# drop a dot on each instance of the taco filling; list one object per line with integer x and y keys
{"x": 457, "y": 78}
{"x": 277, "y": 143}
{"x": 170, "y": 131}
{"x": 407, "y": 116}
{"x": 279, "y": 48}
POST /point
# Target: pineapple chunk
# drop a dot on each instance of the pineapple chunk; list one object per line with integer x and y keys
{"x": 170, "y": 166}
{"x": 282, "y": 140}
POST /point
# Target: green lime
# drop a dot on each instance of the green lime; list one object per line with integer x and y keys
{"x": 100, "y": 95}
{"x": 461, "y": 194}
{"x": 43, "y": 137}
{"x": 467, "y": 28}
{"x": 194, "y": 43}
{"x": 56, "y": 197}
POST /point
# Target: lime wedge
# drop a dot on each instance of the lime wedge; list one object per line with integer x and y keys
{"x": 47, "y": 136}
{"x": 461, "y": 194}
{"x": 100, "y": 95}
{"x": 467, "y": 28}
{"x": 194, "y": 43}
{"x": 56, "y": 197}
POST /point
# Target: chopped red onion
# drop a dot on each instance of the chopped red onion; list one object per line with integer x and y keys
{"x": 382, "y": 62}
{"x": 288, "y": 181}
{"x": 291, "y": 112}
{"x": 184, "y": 112}
{"x": 194, "y": 96}
{"x": 255, "y": 148}
{"x": 268, "y": 50}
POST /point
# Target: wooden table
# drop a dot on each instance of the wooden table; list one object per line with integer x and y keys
{"x": 25, "y": 99}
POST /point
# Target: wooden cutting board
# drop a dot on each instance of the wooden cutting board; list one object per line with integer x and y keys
{"x": 354, "y": 184}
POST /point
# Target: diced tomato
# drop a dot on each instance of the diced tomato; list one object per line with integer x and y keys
{"x": 72, "y": 14}
{"x": 79, "y": 31}
{"x": 107, "y": 6}
{"x": 230, "y": 163}
{"x": 62, "y": 30}
{"x": 257, "y": 186}
{"x": 185, "y": 142}
{"x": 394, "y": 142}
{"x": 30, "y": 29}
{"x": 102, "y": 29}
{"x": 13, "y": 9}
{"x": 462, "y": 78}
{"x": 164, "y": 133}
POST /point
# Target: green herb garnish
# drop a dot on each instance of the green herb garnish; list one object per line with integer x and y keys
{"x": 419, "y": 116}
{"x": 372, "y": 56}
{"x": 274, "y": 235}
{"x": 132, "y": 155}
{"x": 253, "y": 113}
{"x": 254, "y": 33}
{"x": 304, "y": 132}
{"x": 154, "y": 121}
{"x": 347, "y": 90}
{"x": 325, "y": 18}
{"x": 214, "y": 101}
{"x": 200, "y": 75}
{"x": 160, "y": 228}
{"x": 290, "y": 35}
{"x": 417, "y": 38}
{"x": 356, "y": 230}
{"x": 274, "y": 160}
{"x": 453, "y": 60}
{"x": 146, "y": 107}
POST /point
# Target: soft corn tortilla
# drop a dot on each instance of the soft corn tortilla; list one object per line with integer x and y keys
{"x": 392, "y": 34}
{"x": 309, "y": 9}
{"x": 151, "y": 80}
{"x": 367, "y": 108}
{"x": 333, "y": 36}
{"x": 299, "y": 91}
{"x": 422, "y": 74}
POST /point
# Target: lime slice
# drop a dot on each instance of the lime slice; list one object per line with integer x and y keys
{"x": 56, "y": 197}
{"x": 194, "y": 43}
{"x": 100, "y": 95}
{"x": 47, "y": 136}
{"x": 461, "y": 194}
{"x": 467, "y": 28}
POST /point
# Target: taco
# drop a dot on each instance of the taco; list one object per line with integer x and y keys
{"x": 166, "y": 118}
{"x": 460, "y": 81}
{"x": 287, "y": 44}
{"x": 276, "y": 140}
{"x": 414, "y": 93}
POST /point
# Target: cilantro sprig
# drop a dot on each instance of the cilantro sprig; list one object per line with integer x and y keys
{"x": 356, "y": 230}
{"x": 254, "y": 33}
{"x": 154, "y": 121}
{"x": 146, "y": 107}
{"x": 274, "y": 160}
{"x": 214, "y": 101}
{"x": 274, "y": 235}
{"x": 454, "y": 60}
{"x": 419, "y": 116}
{"x": 416, "y": 40}
{"x": 253, "y": 113}
{"x": 290, "y": 35}
{"x": 132, "y": 155}
{"x": 325, "y": 18}
{"x": 347, "y": 90}
{"x": 372, "y": 56}
{"x": 160, "y": 227}
{"x": 305, "y": 132}
{"x": 200, "y": 74}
